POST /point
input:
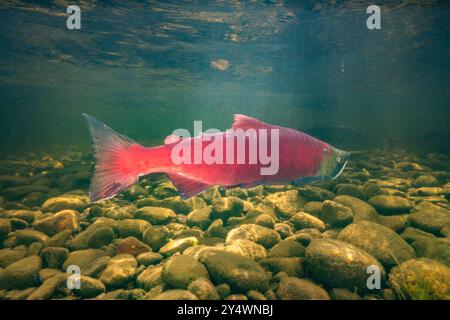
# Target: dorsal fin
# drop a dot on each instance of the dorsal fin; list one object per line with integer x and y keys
{"x": 171, "y": 139}
{"x": 244, "y": 122}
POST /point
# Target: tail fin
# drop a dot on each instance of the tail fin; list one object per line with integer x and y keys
{"x": 113, "y": 170}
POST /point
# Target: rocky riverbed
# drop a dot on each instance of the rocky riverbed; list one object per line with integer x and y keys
{"x": 387, "y": 216}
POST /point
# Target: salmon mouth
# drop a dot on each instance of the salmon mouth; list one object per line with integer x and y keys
{"x": 340, "y": 166}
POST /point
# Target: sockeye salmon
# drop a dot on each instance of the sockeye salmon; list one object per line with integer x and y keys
{"x": 301, "y": 159}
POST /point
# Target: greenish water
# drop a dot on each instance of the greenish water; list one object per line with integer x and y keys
{"x": 381, "y": 230}
{"x": 147, "y": 68}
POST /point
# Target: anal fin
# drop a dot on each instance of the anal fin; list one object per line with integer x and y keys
{"x": 187, "y": 187}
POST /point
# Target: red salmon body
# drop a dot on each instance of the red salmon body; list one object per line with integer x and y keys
{"x": 250, "y": 153}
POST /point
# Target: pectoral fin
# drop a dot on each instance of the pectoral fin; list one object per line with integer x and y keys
{"x": 186, "y": 186}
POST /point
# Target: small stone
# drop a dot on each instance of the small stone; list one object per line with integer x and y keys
{"x": 200, "y": 218}
{"x": 224, "y": 208}
{"x": 430, "y": 221}
{"x": 28, "y": 236}
{"x": 247, "y": 249}
{"x": 149, "y": 258}
{"x": 35, "y": 199}
{"x": 179, "y": 245}
{"x": 391, "y": 204}
{"x": 21, "y": 274}
{"x": 240, "y": 273}
{"x": 90, "y": 287}
{"x": 421, "y": 279}
{"x": 9, "y": 256}
{"x": 379, "y": 241}
{"x": 134, "y": 192}
{"x": 426, "y": 181}
{"x": 313, "y": 207}
{"x": 180, "y": 271}
{"x": 340, "y": 264}
{"x": 131, "y": 246}
{"x": 302, "y": 220}
{"x": 343, "y": 294}
{"x": 16, "y": 193}
{"x": 287, "y": 248}
{"x": 58, "y": 240}
{"x": 336, "y": 214}
{"x": 150, "y": 278}
{"x": 256, "y": 233}
{"x": 203, "y": 289}
{"x": 60, "y": 221}
{"x": 156, "y": 237}
{"x": 176, "y": 294}
{"x": 82, "y": 258}
{"x": 291, "y": 288}
{"x": 54, "y": 257}
{"x": 292, "y": 266}
{"x": 155, "y": 215}
{"x": 119, "y": 271}
{"x": 73, "y": 202}
{"x": 132, "y": 228}
{"x": 362, "y": 211}
{"x": 100, "y": 237}
{"x": 350, "y": 190}
{"x": 5, "y": 228}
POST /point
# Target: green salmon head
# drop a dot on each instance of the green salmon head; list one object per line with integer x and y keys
{"x": 333, "y": 163}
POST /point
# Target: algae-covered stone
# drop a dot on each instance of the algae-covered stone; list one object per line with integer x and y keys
{"x": 21, "y": 274}
{"x": 421, "y": 279}
{"x": 90, "y": 287}
{"x": 343, "y": 294}
{"x": 156, "y": 237}
{"x": 379, "y": 241}
{"x": 150, "y": 278}
{"x": 16, "y": 193}
{"x": 247, "y": 249}
{"x": 313, "y": 207}
{"x": 200, "y": 218}
{"x": 426, "y": 181}
{"x": 176, "y": 294}
{"x": 224, "y": 208}
{"x": 433, "y": 248}
{"x": 350, "y": 190}
{"x": 259, "y": 234}
{"x": 132, "y": 228}
{"x": 240, "y": 273}
{"x": 302, "y": 220}
{"x": 430, "y": 221}
{"x": 291, "y": 288}
{"x": 180, "y": 271}
{"x": 9, "y": 256}
{"x": 362, "y": 211}
{"x": 28, "y": 236}
{"x": 54, "y": 257}
{"x": 203, "y": 289}
{"x": 287, "y": 248}
{"x": 149, "y": 258}
{"x": 60, "y": 221}
{"x": 292, "y": 266}
{"x": 73, "y": 202}
{"x": 119, "y": 271}
{"x": 391, "y": 204}
{"x": 336, "y": 214}
{"x": 100, "y": 237}
{"x": 82, "y": 258}
{"x": 155, "y": 215}
{"x": 315, "y": 193}
{"x": 58, "y": 240}
{"x": 340, "y": 264}
{"x": 5, "y": 228}
{"x": 287, "y": 203}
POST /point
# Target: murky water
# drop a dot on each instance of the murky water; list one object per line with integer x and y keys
{"x": 148, "y": 68}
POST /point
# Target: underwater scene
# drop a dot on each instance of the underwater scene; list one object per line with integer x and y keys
{"x": 225, "y": 150}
